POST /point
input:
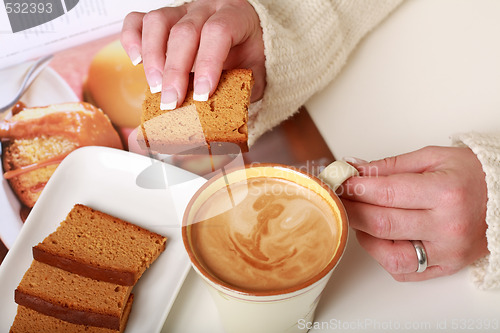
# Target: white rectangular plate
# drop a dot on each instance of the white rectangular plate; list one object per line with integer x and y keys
{"x": 107, "y": 180}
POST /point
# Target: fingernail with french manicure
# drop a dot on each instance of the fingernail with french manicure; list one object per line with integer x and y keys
{"x": 201, "y": 89}
{"x": 135, "y": 55}
{"x": 154, "y": 80}
{"x": 354, "y": 160}
{"x": 168, "y": 98}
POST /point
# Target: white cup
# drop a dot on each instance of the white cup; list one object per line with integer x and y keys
{"x": 279, "y": 310}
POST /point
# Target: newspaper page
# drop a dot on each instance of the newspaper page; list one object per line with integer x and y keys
{"x": 30, "y": 29}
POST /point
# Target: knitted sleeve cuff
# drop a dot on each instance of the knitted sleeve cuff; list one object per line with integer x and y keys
{"x": 486, "y": 271}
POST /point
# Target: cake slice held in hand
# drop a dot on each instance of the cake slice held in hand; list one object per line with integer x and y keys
{"x": 218, "y": 125}
{"x": 97, "y": 245}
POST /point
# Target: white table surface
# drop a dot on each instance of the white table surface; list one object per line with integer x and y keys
{"x": 430, "y": 70}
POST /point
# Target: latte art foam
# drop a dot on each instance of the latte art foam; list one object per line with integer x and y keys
{"x": 277, "y": 236}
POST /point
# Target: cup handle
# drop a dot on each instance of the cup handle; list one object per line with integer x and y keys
{"x": 336, "y": 173}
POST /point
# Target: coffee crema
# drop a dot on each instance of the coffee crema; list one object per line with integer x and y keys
{"x": 265, "y": 234}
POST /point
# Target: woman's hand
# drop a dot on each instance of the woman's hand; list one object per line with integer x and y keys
{"x": 206, "y": 35}
{"x": 437, "y": 195}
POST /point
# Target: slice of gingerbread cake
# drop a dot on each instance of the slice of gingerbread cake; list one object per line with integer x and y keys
{"x": 71, "y": 297}
{"x": 30, "y": 321}
{"x": 100, "y": 246}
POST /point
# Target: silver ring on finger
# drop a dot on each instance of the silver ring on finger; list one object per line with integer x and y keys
{"x": 421, "y": 255}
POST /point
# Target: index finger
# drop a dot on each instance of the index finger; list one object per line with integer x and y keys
{"x": 131, "y": 36}
{"x": 181, "y": 52}
{"x": 156, "y": 27}
{"x": 406, "y": 190}
{"x": 424, "y": 159}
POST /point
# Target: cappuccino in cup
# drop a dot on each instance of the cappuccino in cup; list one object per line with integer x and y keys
{"x": 266, "y": 239}
{"x": 277, "y": 235}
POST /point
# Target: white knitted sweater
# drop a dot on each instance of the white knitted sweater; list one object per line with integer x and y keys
{"x": 306, "y": 45}
{"x": 486, "y": 271}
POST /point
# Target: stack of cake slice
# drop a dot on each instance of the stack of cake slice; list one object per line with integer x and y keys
{"x": 82, "y": 275}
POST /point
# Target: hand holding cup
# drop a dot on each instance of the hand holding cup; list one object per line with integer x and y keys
{"x": 437, "y": 195}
